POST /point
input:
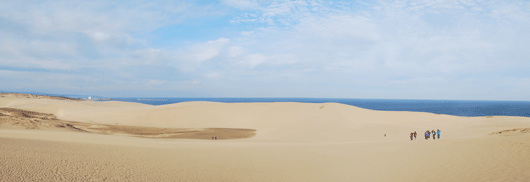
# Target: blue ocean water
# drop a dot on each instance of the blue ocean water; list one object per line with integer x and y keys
{"x": 450, "y": 107}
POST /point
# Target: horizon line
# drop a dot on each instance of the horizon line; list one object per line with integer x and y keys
{"x": 96, "y": 96}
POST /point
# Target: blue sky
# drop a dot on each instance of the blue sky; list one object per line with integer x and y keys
{"x": 424, "y": 49}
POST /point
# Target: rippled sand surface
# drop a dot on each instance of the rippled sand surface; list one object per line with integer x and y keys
{"x": 47, "y": 139}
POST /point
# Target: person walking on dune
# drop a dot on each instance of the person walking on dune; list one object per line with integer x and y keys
{"x": 411, "y": 135}
{"x": 433, "y": 134}
{"x": 438, "y": 133}
{"x": 427, "y": 135}
{"x": 415, "y": 134}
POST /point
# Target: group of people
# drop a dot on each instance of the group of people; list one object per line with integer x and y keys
{"x": 428, "y": 134}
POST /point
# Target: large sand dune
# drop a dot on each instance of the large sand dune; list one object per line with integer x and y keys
{"x": 284, "y": 142}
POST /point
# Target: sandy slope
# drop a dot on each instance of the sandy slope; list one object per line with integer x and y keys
{"x": 293, "y": 142}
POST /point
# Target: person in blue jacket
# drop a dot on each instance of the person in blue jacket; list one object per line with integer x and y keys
{"x": 433, "y": 134}
{"x": 438, "y": 133}
{"x": 427, "y": 135}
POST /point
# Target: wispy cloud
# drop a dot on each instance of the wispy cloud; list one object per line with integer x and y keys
{"x": 72, "y": 35}
{"x": 381, "y": 49}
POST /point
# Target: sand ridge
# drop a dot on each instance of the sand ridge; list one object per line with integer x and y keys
{"x": 281, "y": 122}
{"x": 20, "y": 95}
{"x": 290, "y": 142}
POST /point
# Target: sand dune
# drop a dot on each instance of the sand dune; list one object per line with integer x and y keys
{"x": 296, "y": 122}
{"x": 16, "y": 118}
{"x": 278, "y": 142}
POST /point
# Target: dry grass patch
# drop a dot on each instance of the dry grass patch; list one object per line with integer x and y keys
{"x": 516, "y": 130}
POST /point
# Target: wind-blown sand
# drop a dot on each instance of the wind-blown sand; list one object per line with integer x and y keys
{"x": 46, "y": 139}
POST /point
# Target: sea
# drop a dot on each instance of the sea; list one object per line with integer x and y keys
{"x": 467, "y": 108}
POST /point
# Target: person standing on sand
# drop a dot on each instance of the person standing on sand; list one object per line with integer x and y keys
{"x": 411, "y": 135}
{"x": 433, "y": 134}
{"x": 438, "y": 132}
{"x": 427, "y": 135}
{"x": 415, "y": 134}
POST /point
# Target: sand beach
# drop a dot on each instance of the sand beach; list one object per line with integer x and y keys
{"x": 54, "y": 139}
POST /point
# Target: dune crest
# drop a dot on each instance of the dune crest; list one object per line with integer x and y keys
{"x": 283, "y": 121}
{"x": 65, "y": 140}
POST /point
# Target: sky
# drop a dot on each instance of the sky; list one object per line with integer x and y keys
{"x": 422, "y": 49}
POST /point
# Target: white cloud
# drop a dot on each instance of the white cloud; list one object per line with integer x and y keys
{"x": 283, "y": 12}
{"x": 235, "y": 51}
{"x": 214, "y": 75}
{"x": 282, "y": 59}
{"x": 343, "y": 27}
{"x": 93, "y": 32}
{"x": 155, "y": 82}
{"x": 192, "y": 57}
{"x": 142, "y": 57}
{"x": 40, "y": 80}
{"x": 355, "y": 45}
{"x": 411, "y": 43}
{"x": 242, "y": 4}
{"x": 204, "y": 51}
{"x": 254, "y": 59}
{"x": 100, "y": 36}
{"x": 36, "y": 54}
{"x": 246, "y": 33}
{"x": 210, "y": 49}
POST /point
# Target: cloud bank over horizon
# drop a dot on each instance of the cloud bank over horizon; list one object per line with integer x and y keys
{"x": 423, "y": 49}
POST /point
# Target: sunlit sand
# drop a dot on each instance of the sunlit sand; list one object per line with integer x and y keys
{"x": 50, "y": 139}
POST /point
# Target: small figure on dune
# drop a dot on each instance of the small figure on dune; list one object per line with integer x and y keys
{"x": 411, "y": 135}
{"x": 212, "y": 138}
{"x": 385, "y": 134}
{"x": 216, "y": 137}
{"x": 438, "y": 132}
{"x": 427, "y": 135}
{"x": 433, "y": 134}
{"x": 415, "y": 134}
